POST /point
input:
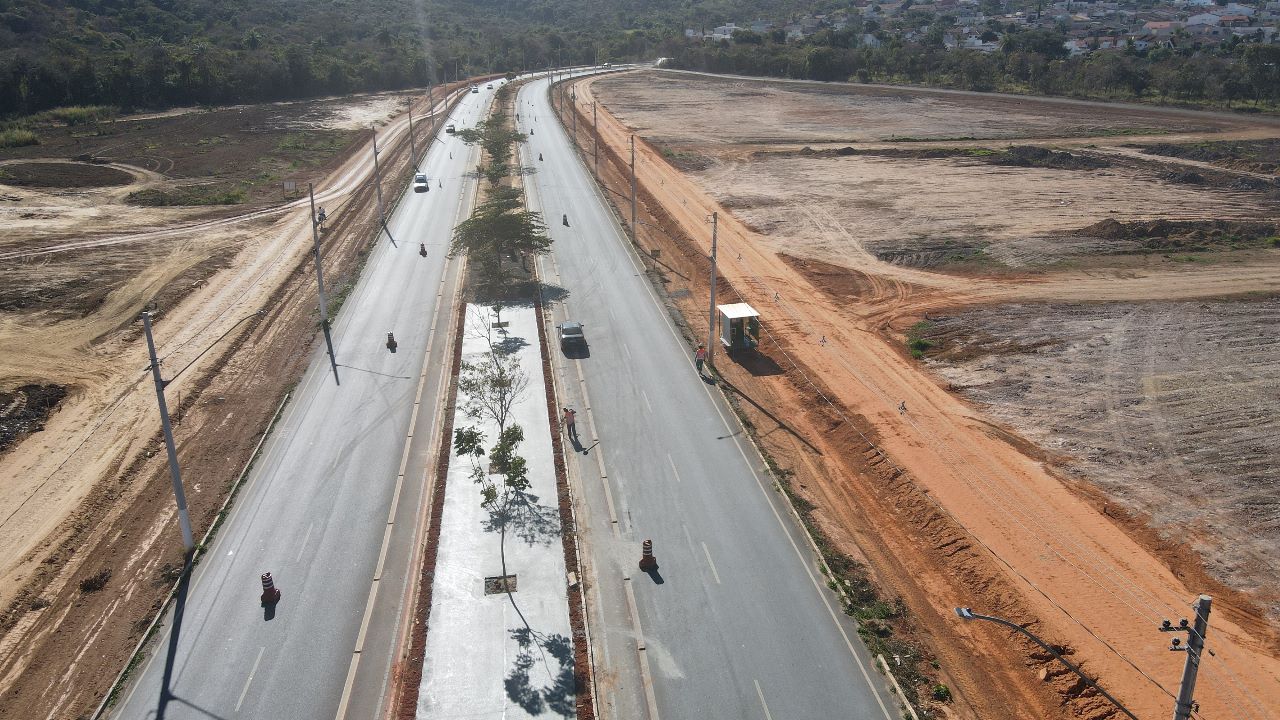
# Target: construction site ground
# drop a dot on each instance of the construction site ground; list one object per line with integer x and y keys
{"x": 1083, "y": 447}
{"x": 89, "y": 546}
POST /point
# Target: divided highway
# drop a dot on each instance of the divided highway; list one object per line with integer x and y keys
{"x": 332, "y": 502}
{"x": 737, "y": 622}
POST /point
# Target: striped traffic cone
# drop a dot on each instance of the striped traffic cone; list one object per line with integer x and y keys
{"x": 647, "y": 560}
{"x": 270, "y": 593}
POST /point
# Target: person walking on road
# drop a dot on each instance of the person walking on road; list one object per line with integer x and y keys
{"x": 700, "y": 357}
{"x": 570, "y": 424}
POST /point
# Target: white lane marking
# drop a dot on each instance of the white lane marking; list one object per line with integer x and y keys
{"x": 627, "y": 350}
{"x": 667, "y": 322}
{"x": 714, "y": 574}
{"x": 760, "y": 694}
{"x": 646, "y": 679}
{"x": 673, "y": 467}
{"x": 645, "y": 397}
{"x": 248, "y": 680}
{"x": 303, "y": 546}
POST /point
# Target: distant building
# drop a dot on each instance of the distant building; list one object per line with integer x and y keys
{"x": 1204, "y": 19}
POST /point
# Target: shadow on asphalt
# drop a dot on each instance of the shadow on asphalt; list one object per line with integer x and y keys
{"x": 175, "y": 633}
{"x": 655, "y": 576}
{"x": 577, "y": 351}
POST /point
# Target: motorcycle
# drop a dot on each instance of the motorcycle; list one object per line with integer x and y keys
{"x": 391, "y": 342}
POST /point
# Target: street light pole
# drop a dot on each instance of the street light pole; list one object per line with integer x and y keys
{"x": 413, "y": 146}
{"x": 184, "y": 520}
{"x": 968, "y": 614}
{"x": 324, "y": 305}
{"x": 1195, "y": 646}
{"x": 711, "y": 314}
{"x": 634, "y": 236}
{"x": 595, "y": 130}
{"x": 377, "y": 180}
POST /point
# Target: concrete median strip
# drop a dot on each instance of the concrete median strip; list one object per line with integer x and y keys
{"x": 507, "y": 654}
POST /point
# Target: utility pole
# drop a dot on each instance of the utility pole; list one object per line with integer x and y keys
{"x": 413, "y": 146}
{"x": 573, "y": 109}
{"x": 324, "y": 305}
{"x": 184, "y": 521}
{"x": 635, "y": 237}
{"x": 431, "y": 106}
{"x": 711, "y": 314}
{"x": 595, "y": 130}
{"x": 1195, "y": 646}
{"x": 377, "y": 178}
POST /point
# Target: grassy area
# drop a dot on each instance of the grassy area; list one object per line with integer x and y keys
{"x": 917, "y": 343}
{"x": 18, "y": 137}
{"x": 192, "y": 196}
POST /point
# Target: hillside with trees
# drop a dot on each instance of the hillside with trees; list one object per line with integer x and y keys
{"x": 151, "y": 54}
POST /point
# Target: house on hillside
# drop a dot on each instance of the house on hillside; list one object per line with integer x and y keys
{"x": 1204, "y": 19}
{"x": 1162, "y": 29}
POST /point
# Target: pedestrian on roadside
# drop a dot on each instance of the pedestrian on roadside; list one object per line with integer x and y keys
{"x": 700, "y": 357}
{"x": 570, "y": 423}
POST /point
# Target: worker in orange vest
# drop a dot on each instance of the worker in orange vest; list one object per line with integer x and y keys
{"x": 700, "y": 357}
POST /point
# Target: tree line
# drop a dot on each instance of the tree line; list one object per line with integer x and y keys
{"x": 1030, "y": 61}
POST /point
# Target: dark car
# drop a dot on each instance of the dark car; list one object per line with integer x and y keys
{"x": 571, "y": 335}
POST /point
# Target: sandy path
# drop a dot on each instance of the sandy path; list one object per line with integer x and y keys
{"x": 1090, "y": 584}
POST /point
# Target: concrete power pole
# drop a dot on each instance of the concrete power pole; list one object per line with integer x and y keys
{"x": 377, "y": 179}
{"x": 184, "y": 520}
{"x": 595, "y": 130}
{"x": 711, "y": 315}
{"x": 634, "y": 234}
{"x": 413, "y": 146}
{"x": 573, "y": 109}
{"x": 1195, "y": 646}
{"x": 324, "y": 305}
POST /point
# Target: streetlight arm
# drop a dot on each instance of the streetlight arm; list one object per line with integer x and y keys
{"x": 968, "y": 614}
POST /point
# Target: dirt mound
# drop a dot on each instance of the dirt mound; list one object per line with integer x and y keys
{"x": 24, "y": 410}
{"x": 1252, "y": 155}
{"x": 62, "y": 175}
{"x": 1033, "y": 156}
{"x": 1190, "y": 235}
{"x": 1026, "y": 156}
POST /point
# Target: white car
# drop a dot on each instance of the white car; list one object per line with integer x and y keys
{"x": 421, "y": 183}
{"x": 475, "y": 89}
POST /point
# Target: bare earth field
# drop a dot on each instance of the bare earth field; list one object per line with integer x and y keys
{"x": 1169, "y": 407}
{"x": 1084, "y": 446}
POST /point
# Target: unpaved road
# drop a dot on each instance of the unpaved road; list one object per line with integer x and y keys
{"x": 983, "y": 516}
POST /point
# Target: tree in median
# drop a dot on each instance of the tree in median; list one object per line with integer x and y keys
{"x": 499, "y": 228}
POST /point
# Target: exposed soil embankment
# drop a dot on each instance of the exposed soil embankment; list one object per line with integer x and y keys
{"x": 1187, "y": 236}
{"x": 1259, "y": 156}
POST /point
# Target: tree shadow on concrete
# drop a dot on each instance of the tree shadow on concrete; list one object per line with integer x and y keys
{"x": 555, "y": 653}
{"x": 523, "y": 517}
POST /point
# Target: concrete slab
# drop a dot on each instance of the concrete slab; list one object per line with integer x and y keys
{"x": 495, "y": 656}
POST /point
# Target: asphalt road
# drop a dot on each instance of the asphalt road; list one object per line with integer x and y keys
{"x": 736, "y": 623}
{"x": 318, "y": 501}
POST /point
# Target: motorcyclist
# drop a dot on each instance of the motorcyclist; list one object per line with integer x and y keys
{"x": 422, "y": 249}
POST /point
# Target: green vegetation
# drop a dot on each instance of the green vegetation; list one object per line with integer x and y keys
{"x": 74, "y": 115}
{"x": 941, "y": 693}
{"x": 1030, "y": 61}
{"x": 158, "y": 53}
{"x": 917, "y": 343}
{"x": 15, "y": 137}
{"x": 500, "y": 227}
{"x": 198, "y": 195}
